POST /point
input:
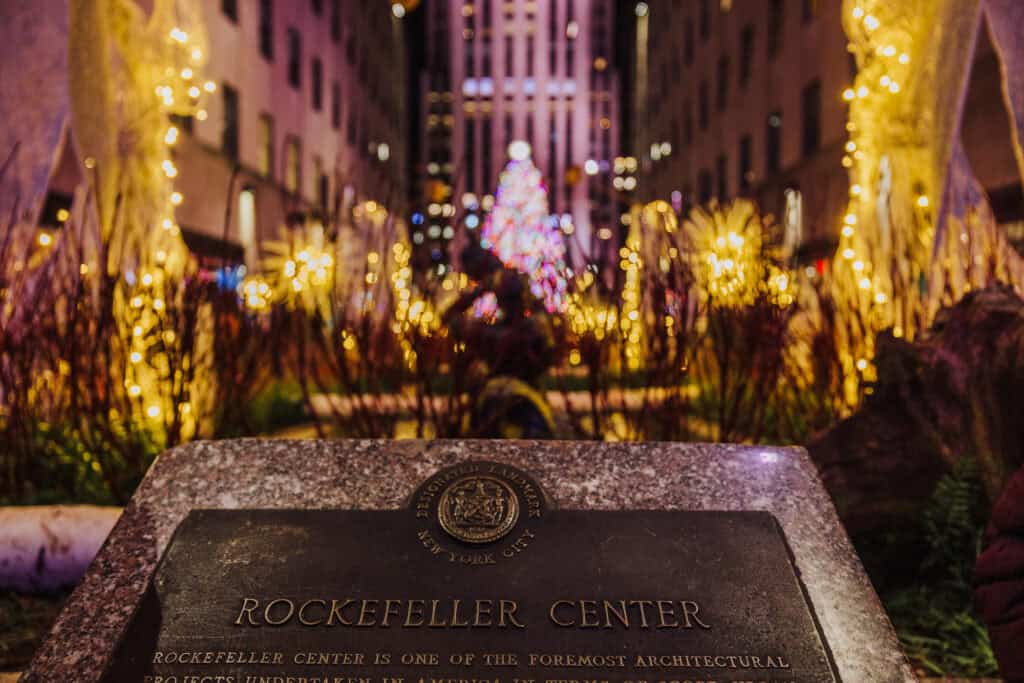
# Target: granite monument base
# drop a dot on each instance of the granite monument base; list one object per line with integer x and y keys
{"x": 382, "y": 475}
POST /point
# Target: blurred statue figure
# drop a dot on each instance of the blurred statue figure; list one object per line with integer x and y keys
{"x": 514, "y": 345}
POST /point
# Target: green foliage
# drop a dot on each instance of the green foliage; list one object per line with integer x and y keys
{"x": 934, "y": 618}
{"x": 66, "y": 468}
{"x": 278, "y": 406}
{"x": 940, "y": 633}
{"x": 25, "y": 621}
{"x": 953, "y": 522}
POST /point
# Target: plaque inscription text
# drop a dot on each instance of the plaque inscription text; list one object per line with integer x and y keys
{"x": 477, "y": 582}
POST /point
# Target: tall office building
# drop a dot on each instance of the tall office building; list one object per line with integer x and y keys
{"x": 746, "y": 98}
{"x": 496, "y": 71}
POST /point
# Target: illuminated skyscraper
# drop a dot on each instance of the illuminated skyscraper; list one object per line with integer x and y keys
{"x": 544, "y": 72}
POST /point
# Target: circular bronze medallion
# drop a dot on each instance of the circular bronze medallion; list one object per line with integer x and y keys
{"x": 478, "y": 508}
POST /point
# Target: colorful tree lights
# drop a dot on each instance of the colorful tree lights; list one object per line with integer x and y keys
{"x": 518, "y": 230}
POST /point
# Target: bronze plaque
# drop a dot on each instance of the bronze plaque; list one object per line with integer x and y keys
{"x": 479, "y": 580}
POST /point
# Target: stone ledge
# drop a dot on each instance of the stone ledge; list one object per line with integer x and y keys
{"x": 374, "y": 474}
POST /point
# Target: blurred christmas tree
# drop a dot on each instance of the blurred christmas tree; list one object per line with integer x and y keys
{"x": 519, "y": 231}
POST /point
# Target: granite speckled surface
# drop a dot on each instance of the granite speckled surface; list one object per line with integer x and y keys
{"x": 251, "y": 473}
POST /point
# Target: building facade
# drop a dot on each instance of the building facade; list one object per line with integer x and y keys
{"x": 308, "y": 116}
{"x": 496, "y": 71}
{"x": 309, "y": 109}
{"x": 745, "y": 99}
{"x": 748, "y": 98}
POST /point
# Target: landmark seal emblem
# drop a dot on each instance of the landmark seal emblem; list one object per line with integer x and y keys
{"x": 478, "y": 509}
{"x": 478, "y": 513}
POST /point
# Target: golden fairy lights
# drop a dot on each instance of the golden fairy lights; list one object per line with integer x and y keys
{"x": 730, "y": 259}
{"x": 298, "y": 271}
{"x": 630, "y": 321}
{"x": 157, "y": 387}
{"x": 882, "y": 41}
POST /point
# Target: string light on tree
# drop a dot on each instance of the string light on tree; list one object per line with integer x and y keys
{"x": 519, "y": 232}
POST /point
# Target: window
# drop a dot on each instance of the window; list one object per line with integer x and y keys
{"x": 703, "y": 114}
{"x": 776, "y": 19}
{"x": 335, "y": 20}
{"x": 746, "y": 171}
{"x": 722, "y": 174}
{"x": 688, "y": 50}
{"x": 247, "y": 224}
{"x": 293, "y": 165}
{"x": 229, "y": 134}
{"x": 470, "y": 155}
{"x": 792, "y": 221}
{"x": 318, "y": 7}
{"x": 230, "y": 9}
{"x": 811, "y": 8}
{"x": 529, "y": 128}
{"x": 509, "y": 130}
{"x": 811, "y": 101}
{"x": 773, "y": 143}
{"x": 485, "y": 59}
{"x": 704, "y": 186}
{"x": 746, "y": 53}
{"x": 318, "y": 84}
{"x": 552, "y": 158}
{"x": 335, "y": 105}
{"x": 266, "y": 158}
{"x": 553, "y": 42}
{"x": 486, "y": 146}
{"x": 529, "y": 56}
{"x": 723, "y": 82}
{"x": 510, "y": 54}
{"x": 566, "y": 187}
{"x": 267, "y": 29}
{"x": 183, "y": 122}
{"x": 294, "y": 58}
{"x": 350, "y": 48}
{"x": 323, "y": 185}
{"x": 705, "y": 19}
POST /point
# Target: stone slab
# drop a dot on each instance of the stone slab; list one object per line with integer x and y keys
{"x": 381, "y": 475}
